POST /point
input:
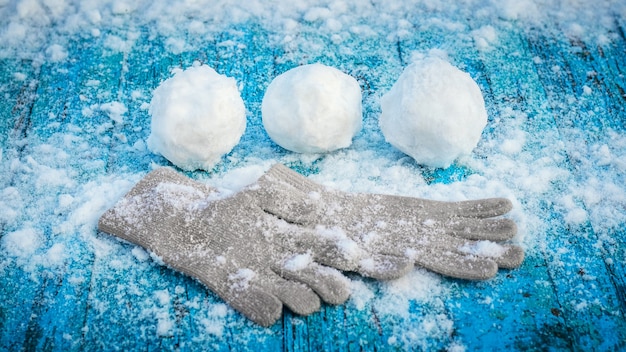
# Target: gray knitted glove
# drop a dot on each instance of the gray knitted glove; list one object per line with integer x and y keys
{"x": 456, "y": 239}
{"x": 251, "y": 259}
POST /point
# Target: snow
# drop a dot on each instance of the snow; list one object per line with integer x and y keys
{"x": 214, "y": 323}
{"x": 22, "y": 243}
{"x": 298, "y": 262}
{"x": 56, "y": 181}
{"x": 56, "y": 53}
{"x": 312, "y": 109}
{"x": 164, "y": 323}
{"x": 115, "y": 110}
{"x": 434, "y": 112}
{"x": 241, "y": 279}
{"x": 347, "y": 247}
{"x": 198, "y": 116}
{"x": 484, "y": 249}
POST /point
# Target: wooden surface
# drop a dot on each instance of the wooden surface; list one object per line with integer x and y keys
{"x": 99, "y": 294}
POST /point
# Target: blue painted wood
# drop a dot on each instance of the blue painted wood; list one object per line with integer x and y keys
{"x": 109, "y": 295}
{"x": 592, "y": 119}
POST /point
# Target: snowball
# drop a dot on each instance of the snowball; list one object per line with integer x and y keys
{"x": 197, "y": 117}
{"x": 312, "y": 109}
{"x": 434, "y": 112}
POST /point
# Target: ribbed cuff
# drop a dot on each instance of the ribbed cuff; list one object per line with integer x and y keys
{"x": 143, "y": 214}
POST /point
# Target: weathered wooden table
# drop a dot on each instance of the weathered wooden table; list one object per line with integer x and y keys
{"x": 74, "y": 119}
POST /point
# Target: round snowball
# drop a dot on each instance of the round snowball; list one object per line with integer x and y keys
{"x": 312, "y": 109}
{"x": 197, "y": 117}
{"x": 434, "y": 112}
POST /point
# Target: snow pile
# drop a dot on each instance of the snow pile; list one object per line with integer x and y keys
{"x": 312, "y": 109}
{"x": 434, "y": 112}
{"x": 197, "y": 117}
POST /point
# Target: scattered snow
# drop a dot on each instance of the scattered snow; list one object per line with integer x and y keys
{"x": 140, "y": 254}
{"x": 361, "y": 294}
{"x": 161, "y": 311}
{"x": 312, "y": 109}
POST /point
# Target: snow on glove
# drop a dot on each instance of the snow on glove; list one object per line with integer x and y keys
{"x": 251, "y": 259}
{"x": 457, "y": 239}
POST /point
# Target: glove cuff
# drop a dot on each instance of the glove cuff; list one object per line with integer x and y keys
{"x": 160, "y": 200}
{"x": 283, "y": 174}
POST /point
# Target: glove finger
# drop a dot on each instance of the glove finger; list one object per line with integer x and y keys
{"x": 256, "y": 304}
{"x": 175, "y": 185}
{"x": 385, "y": 266}
{"x": 283, "y": 200}
{"x": 482, "y": 229}
{"x": 481, "y": 208}
{"x": 512, "y": 257}
{"x": 331, "y": 247}
{"x": 457, "y": 265}
{"x": 328, "y": 246}
{"x": 506, "y": 256}
{"x": 332, "y": 286}
{"x": 298, "y": 297}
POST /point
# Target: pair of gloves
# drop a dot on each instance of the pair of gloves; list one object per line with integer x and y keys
{"x": 285, "y": 240}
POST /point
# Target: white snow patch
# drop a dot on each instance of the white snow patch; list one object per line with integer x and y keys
{"x": 23, "y": 243}
{"x": 56, "y": 53}
{"x": 241, "y": 279}
{"x": 360, "y": 295}
{"x": 56, "y": 255}
{"x": 485, "y": 37}
{"x": 484, "y": 249}
{"x": 140, "y": 254}
{"x": 115, "y": 110}
{"x": 162, "y": 296}
{"x": 215, "y": 321}
{"x": 298, "y": 262}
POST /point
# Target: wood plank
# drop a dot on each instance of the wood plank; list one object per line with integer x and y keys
{"x": 588, "y": 290}
{"x": 58, "y": 298}
{"x": 520, "y": 304}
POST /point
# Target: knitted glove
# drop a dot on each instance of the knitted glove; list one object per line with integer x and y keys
{"x": 253, "y": 260}
{"x": 456, "y": 239}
